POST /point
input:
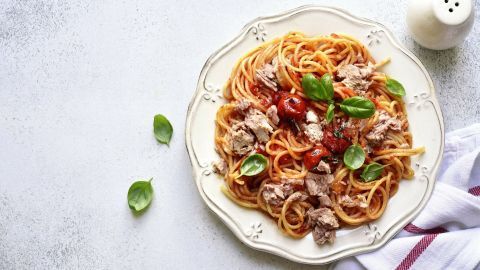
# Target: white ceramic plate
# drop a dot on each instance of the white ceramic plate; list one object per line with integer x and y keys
{"x": 426, "y": 123}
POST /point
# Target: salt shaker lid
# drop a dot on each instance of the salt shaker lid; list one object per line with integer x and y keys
{"x": 452, "y": 12}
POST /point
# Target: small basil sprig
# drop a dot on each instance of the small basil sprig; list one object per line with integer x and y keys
{"x": 371, "y": 172}
{"x": 253, "y": 165}
{"x": 358, "y": 107}
{"x": 338, "y": 134}
{"x": 140, "y": 195}
{"x": 330, "y": 113}
{"x": 162, "y": 129}
{"x": 316, "y": 89}
{"x": 321, "y": 89}
{"x": 354, "y": 157}
{"x": 395, "y": 87}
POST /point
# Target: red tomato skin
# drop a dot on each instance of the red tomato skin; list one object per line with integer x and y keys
{"x": 314, "y": 156}
{"x": 278, "y": 95}
{"x": 292, "y": 106}
{"x": 334, "y": 144}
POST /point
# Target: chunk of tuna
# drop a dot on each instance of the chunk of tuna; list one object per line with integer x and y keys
{"x": 347, "y": 201}
{"x": 324, "y": 223}
{"x": 321, "y": 235}
{"x": 266, "y": 76}
{"x": 258, "y": 123}
{"x": 324, "y": 167}
{"x": 243, "y": 105}
{"x": 295, "y": 182}
{"x": 355, "y": 77}
{"x": 275, "y": 194}
{"x": 272, "y": 114}
{"x": 324, "y": 201}
{"x": 220, "y": 167}
{"x": 240, "y": 139}
{"x": 318, "y": 184}
{"x": 297, "y": 196}
{"x": 359, "y": 201}
{"x": 385, "y": 123}
{"x": 283, "y": 82}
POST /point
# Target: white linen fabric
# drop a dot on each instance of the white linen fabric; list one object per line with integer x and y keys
{"x": 446, "y": 234}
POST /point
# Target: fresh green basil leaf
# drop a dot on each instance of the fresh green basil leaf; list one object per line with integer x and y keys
{"x": 312, "y": 87}
{"x": 316, "y": 89}
{"x": 140, "y": 195}
{"x": 354, "y": 157}
{"x": 358, "y": 107}
{"x": 162, "y": 129}
{"x": 395, "y": 87}
{"x": 253, "y": 165}
{"x": 330, "y": 113}
{"x": 371, "y": 172}
{"x": 327, "y": 84}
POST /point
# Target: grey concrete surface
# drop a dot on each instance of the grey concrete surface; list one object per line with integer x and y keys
{"x": 80, "y": 82}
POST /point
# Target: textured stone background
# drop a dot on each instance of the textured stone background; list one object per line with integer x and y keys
{"x": 79, "y": 84}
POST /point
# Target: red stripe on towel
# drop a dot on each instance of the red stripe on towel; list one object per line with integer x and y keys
{"x": 475, "y": 191}
{"x": 415, "y": 229}
{"x": 417, "y": 250}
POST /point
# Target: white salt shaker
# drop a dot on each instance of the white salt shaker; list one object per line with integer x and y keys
{"x": 440, "y": 24}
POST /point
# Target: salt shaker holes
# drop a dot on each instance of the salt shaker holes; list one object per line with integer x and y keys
{"x": 448, "y": 26}
{"x": 451, "y": 9}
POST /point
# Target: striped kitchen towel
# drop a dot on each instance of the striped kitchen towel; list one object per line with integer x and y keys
{"x": 446, "y": 234}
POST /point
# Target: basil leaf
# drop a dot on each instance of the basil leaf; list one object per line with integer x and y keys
{"x": 371, "y": 172}
{"x": 358, "y": 107}
{"x": 330, "y": 113}
{"x": 354, "y": 157}
{"x": 312, "y": 87}
{"x": 253, "y": 165}
{"x": 395, "y": 87}
{"x": 327, "y": 84}
{"x": 140, "y": 195}
{"x": 316, "y": 89}
{"x": 162, "y": 128}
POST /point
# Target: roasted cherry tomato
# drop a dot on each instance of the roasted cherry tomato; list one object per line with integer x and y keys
{"x": 313, "y": 157}
{"x": 335, "y": 141}
{"x": 291, "y": 106}
{"x": 278, "y": 95}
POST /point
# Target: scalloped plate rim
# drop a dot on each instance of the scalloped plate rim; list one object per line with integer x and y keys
{"x": 231, "y": 224}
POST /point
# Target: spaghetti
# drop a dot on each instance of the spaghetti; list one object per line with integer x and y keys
{"x": 290, "y": 189}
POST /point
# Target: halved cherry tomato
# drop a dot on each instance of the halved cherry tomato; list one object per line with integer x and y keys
{"x": 313, "y": 157}
{"x": 334, "y": 143}
{"x": 278, "y": 95}
{"x": 292, "y": 106}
